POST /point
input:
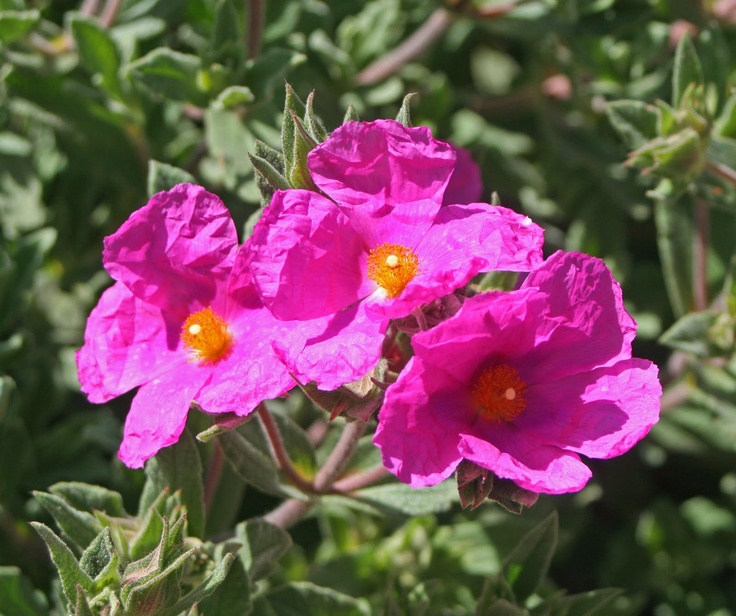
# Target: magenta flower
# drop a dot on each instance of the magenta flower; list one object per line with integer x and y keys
{"x": 523, "y": 383}
{"x": 183, "y": 322}
{"x": 381, "y": 241}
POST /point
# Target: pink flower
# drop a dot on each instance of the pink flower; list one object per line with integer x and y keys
{"x": 381, "y": 241}
{"x": 183, "y": 322}
{"x": 521, "y": 383}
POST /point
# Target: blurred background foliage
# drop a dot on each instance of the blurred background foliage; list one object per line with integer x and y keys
{"x": 102, "y": 101}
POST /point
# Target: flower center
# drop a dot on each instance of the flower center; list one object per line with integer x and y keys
{"x": 392, "y": 267}
{"x": 207, "y": 336}
{"x": 499, "y": 393}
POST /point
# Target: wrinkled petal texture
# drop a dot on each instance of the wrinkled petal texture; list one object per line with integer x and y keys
{"x": 127, "y": 342}
{"x": 463, "y": 241}
{"x": 173, "y": 251}
{"x": 381, "y": 164}
{"x": 158, "y": 414}
{"x": 597, "y": 407}
{"x": 332, "y": 350}
{"x": 307, "y": 259}
{"x": 465, "y": 184}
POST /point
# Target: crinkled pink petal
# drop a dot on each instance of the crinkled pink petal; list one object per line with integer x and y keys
{"x": 173, "y": 251}
{"x": 332, "y": 350}
{"x": 159, "y": 412}
{"x": 585, "y": 311}
{"x": 127, "y": 342}
{"x": 252, "y": 372}
{"x": 404, "y": 223}
{"x": 531, "y": 464}
{"x": 375, "y": 164}
{"x": 463, "y": 241}
{"x": 307, "y": 260}
{"x": 412, "y": 434}
{"x": 465, "y": 184}
{"x": 600, "y": 413}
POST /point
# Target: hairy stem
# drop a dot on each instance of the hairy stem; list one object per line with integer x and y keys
{"x": 722, "y": 171}
{"x": 359, "y": 480}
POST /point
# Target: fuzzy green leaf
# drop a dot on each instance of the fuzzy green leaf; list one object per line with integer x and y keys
{"x": 18, "y": 597}
{"x": 100, "y": 560}
{"x": 14, "y": 25}
{"x": 234, "y": 96}
{"x": 98, "y": 52}
{"x": 171, "y": 74}
{"x": 162, "y": 176}
{"x": 70, "y": 571}
{"x": 178, "y": 467}
{"x": 86, "y": 497}
{"x": 689, "y": 333}
{"x": 401, "y": 498}
{"x": 687, "y": 69}
{"x": 635, "y": 121}
{"x": 299, "y": 598}
{"x": 263, "y": 545}
{"x": 207, "y": 587}
{"x": 527, "y": 565}
{"x": 232, "y": 596}
{"x": 81, "y": 527}
{"x": 314, "y": 125}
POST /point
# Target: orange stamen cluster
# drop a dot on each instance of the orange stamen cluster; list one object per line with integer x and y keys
{"x": 392, "y": 267}
{"x": 499, "y": 393}
{"x": 207, "y": 336}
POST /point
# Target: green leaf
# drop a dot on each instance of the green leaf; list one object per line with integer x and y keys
{"x": 266, "y": 73}
{"x": 527, "y": 565}
{"x": 401, "y": 498}
{"x": 82, "y": 607}
{"x": 251, "y": 464}
{"x": 232, "y": 596}
{"x": 86, "y": 497}
{"x": 70, "y": 572}
{"x": 15, "y": 25}
{"x": 635, "y": 121}
{"x": 227, "y": 35}
{"x": 690, "y": 333}
{"x": 299, "y": 598}
{"x": 172, "y": 75}
{"x": 18, "y": 597}
{"x": 687, "y": 69}
{"x": 263, "y": 545}
{"x": 98, "y": 52}
{"x": 207, "y": 587}
{"x": 162, "y": 176}
{"x": 234, "y": 96}
{"x": 675, "y": 236}
{"x": 100, "y": 560}
{"x": 81, "y": 527}
{"x": 178, "y": 467}
{"x": 404, "y": 116}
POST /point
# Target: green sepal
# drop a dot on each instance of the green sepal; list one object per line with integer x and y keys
{"x": 222, "y": 422}
{"x": 82, "y": 608}
{"x": 293, "y": 106}
{"x": 304, "y": 143}
{"x": 268, "y": 165}
{"x": 687, "y": 69}
{"x": 636, "y": 122}
{"x": 351, "y": 115}
{"x": 263, "y": 544}
{"x": 79, "y": 526}
{"x": 527, "y": 565}
{"x": 404, "y": 115}
{"x": 70, "y": 571}
{"x": 100, "y": 561}
{"x": 313, "y": 124}
{"x": 178, "y": 467}
{"x": 162, "y": 176}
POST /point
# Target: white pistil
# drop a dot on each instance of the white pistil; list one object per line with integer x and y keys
{"x": 392, "y": 261}
{"x": 195, "y": 328}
